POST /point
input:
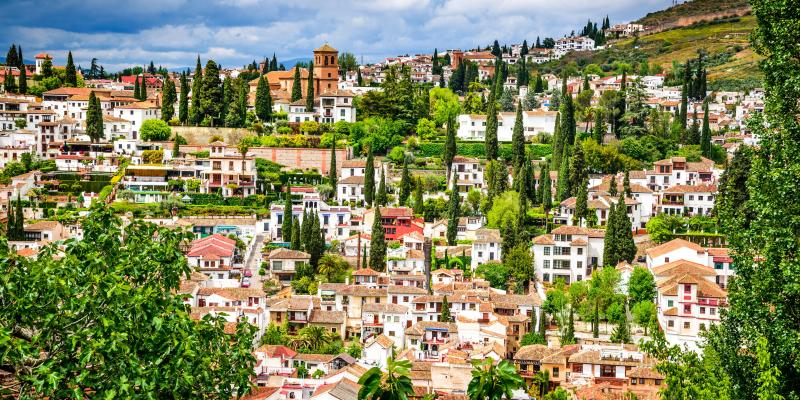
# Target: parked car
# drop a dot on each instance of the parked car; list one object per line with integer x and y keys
{"x": 245, "y": 283}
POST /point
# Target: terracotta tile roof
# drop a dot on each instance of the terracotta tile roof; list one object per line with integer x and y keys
{"x": 487, "y": 235}
{"x": 352, "y": 180}
{"x": 234, "y": 293}
{"x": 420, "y": 327}
{"x": 327, "y": 317}
{"x": 691, "y": 189}
{"x": 273, "y": 351}
{"x": 673, "y": 245}
{"x": 671, "y": 312}
{"x": 382, "y": 340}
{"x": 261, "y": 393}
{"x": 384, "y": 308}
{"x": 544, "y": 240}
{"x": 682, "y": 267}
{"x": 326, "y": 47}
{"x": 287, "y": 254}
{"x": 402, "y": 289}
{"x": 366, "y": 272}
{"x": 42, "y": 226}
{"x": 534, "y": 352}
{"x": 577, "y": 230}
{"x": 645, "y": 372}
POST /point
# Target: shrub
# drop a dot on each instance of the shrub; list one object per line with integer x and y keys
{"x": 155, "y": 130}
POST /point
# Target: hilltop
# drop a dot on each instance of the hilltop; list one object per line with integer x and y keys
{"x": 691, "y": 12}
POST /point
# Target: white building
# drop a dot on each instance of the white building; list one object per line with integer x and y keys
{"x": 473, "y": 126}
{"x": 137, "y": 113}
{"x": 576, "y": 43}
{"x": 486, "y": 247}
{"x": 570, "y": 253}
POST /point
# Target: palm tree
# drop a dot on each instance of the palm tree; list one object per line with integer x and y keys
{"x": 330, "y": 265}
{"x": 492, "y": 381}
{"x": 395, "y": 384}
{"x": 313, "y": 338}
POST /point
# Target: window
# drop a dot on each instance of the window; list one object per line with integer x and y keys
{"x": 687, "y": 325}
{"x": 547, "y": 264}
{"x": 546, "y": 250}
{"x": 671, "y": 323}
{"x": 702, "y": 310}
{"x": 633, "y": 381}
{"x": 712, "y": 311}
{"x": 687, "y": 288}
{"x": 580, "y": 251}
{"x": 555, "y": 372}
{"x": 669, "y": 303}
{"x": 687, "y": 308}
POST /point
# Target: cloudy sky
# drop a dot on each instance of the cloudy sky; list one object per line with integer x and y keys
{"x": 235, "y": 32}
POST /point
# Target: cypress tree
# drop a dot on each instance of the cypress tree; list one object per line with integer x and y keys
{"x": 491, "y": 127}
{"x": 626, "y": 184}
{"x": 705, "y": 137}
{"x": 183, "y": 105}
{"x": 518, "y": 139}
{"x": 450, "y": 145}
{"x": 10, "y": 225}
{"x": 94, "y": 119}
{"x": 546, "y": 188}
{"x": 295, "y": 244}
{"x": 581, "y": 204}
{"x": 610, "y": 247}
{"x": 305, "y": 231}
{"x": 195, "y": 112}
{"x": 168, "y": 100}
{"x": 176, "y": 146}
{"x": 297, "y": 89}
{"x": 445, "y": 310}
{"x": 564, "y": 190}
{"x": 621, "y": 333}
{"x": 70, "y": 75}
{"x": 419, "y": 204}
{"x": 377, "y": 252}
{"x": 359, "y": 79}
{"x": 332, "y": 178}
{"x": 211, "y": 99}
{"x": 405, "y": 184}
{"x": 381, "y": 197}
{"x": 364, "y": 262}
{"x": 23, "y": 79}
{"x": 369, "y": 179}
{"x": 538, "y": 86}
{"x": 286, "y": 228}
{"x": 577, "y": 170}
{"x": 263, "y": 100}
{"x": 9, "y": 83}
{"x": 612, "y": 186}
{"x": 310, "y": 88}
{"x": 621, "y": 105}
{"x": 453, "y": 212}
{"x": 569, "y": 334}
{"x": 598, "y": 131}
{"x": 11, "y": 56}
{"x": 273, "y": 65}
{"x": 316, "y": 241}
{"x": 596, "y": 320}
{"x": 625, "y": 244}
{"x": 136, "y": 94}
{"x": 557, "y": 143}
{"x": 19, "y": 220}
{"x": 694, "y": 131}
{"x": 524, "y": 50}
{"x": 684, "y": 108}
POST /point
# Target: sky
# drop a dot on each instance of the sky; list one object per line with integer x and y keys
{"x": 235, "y": 32}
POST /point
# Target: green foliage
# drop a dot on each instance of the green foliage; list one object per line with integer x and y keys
{"x": 478, "y": 150}
{"x": 496, "y": 274}
{"x": 73, "y": 324}
{"x": 492, "y": 381}
{"x": 504, "y": 211}
{"x": 394, "y": 384}
{"x": 377, "y": 252}
{"x": 641, "y": 285}
{"x": 155, "y": 130}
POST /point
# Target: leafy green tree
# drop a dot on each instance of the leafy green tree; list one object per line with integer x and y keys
{"x": 94, "y": 119}
{"x": 377, "y": 252}
{"x": 155, "y": 130}
{"x": 263, "y": 100}
{"x": 492, "y": 381}
{"x": 768, "y": 378}
{"x": 369, "y": 179}
{"x": 733, "y": 209}
{"x": 310, "y": 88}
{"x": 643, "y": 314}
{"x": 394, "y": 384}
{"x": 641, "y": 285}
{"x": 196, "y": 110}
{"x": 62, "y": 338}
{"x": 183, "y": 104}
{"x": 520, "y": 265}
{"x": 70, "y": 74}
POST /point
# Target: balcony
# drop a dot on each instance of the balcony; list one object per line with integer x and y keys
{"x": 272, "y": 371}
{"x": 674, "y": 202}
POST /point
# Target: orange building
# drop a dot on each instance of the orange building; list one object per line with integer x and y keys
{"x": 326, "y": 69}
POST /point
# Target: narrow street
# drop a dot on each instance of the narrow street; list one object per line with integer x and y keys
{"x": 253, "y": 263}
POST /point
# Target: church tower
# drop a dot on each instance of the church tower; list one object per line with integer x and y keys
{"x": 326, "y": 69}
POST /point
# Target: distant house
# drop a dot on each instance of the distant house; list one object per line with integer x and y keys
{"x": 283, "y": 263}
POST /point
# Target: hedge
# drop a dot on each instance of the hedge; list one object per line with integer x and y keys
{"x": 478, "y": 150}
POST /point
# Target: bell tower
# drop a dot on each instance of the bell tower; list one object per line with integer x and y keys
{"x": 326, "y": 69}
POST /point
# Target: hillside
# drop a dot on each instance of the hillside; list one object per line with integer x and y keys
{"x": 731, "y": 62}
{"x": 693, "y": 11}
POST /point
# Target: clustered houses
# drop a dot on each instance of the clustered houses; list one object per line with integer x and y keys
{"x": 590, "y": 369}
{"x": 691, "y": 282}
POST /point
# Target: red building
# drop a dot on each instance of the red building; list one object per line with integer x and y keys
{"x": 396, "y": 221}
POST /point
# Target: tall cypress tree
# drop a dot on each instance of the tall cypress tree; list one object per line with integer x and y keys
{"x": 577, "y": 170}
{"x": 406, "y": 186}
{"x": 612, "y": 186}
{"x": 454, "y": 213}
{"x": 381, "y": 198}
{"x": 94, "y": 119}
{"x": 9, "y": 83}
{"x": 310, "y": 88}
{"x": 286, "y": 228}
{"x": 168, "y": 98}
{"x": 176, "y": 146}
{"x": 445, "y": 317}
{"x": 419, "y": 203}
{"x": 332, "y": 178}
{"x": 183, "y": 104}
{"x": 626, "y": 185}
{"x": 705, "y": 137}
{"x": 70, "y": 75}
{"x": 295, "y": 243}
{"x": 196, "y": 111}
{"x": 263, "y": 104}
{"x": 211, "y": 97}
{"x": 136, "y": 94}
{"x": 369, "y": 179}
{"x": 546, "y": 189}
{"x": 684, "y": 108}
{"x": 450, "y": 145}
{"x": 23, "y": 79}
{"x": 273, "y": 65}
{"x": 377, "y": 252}
{"x": 19, "y": 220}
{"x": 518, "y": 139}
{"x": 11, "y": 56}
{"x": 581, "y": 204}
{"x": 564, "y": 188}
{"x": 491, "y": 126}
{"x": 10, "y": 225}
{"x": 297, "y": 89}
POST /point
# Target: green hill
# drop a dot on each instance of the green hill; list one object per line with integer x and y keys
{"x": 692, "y": 11}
